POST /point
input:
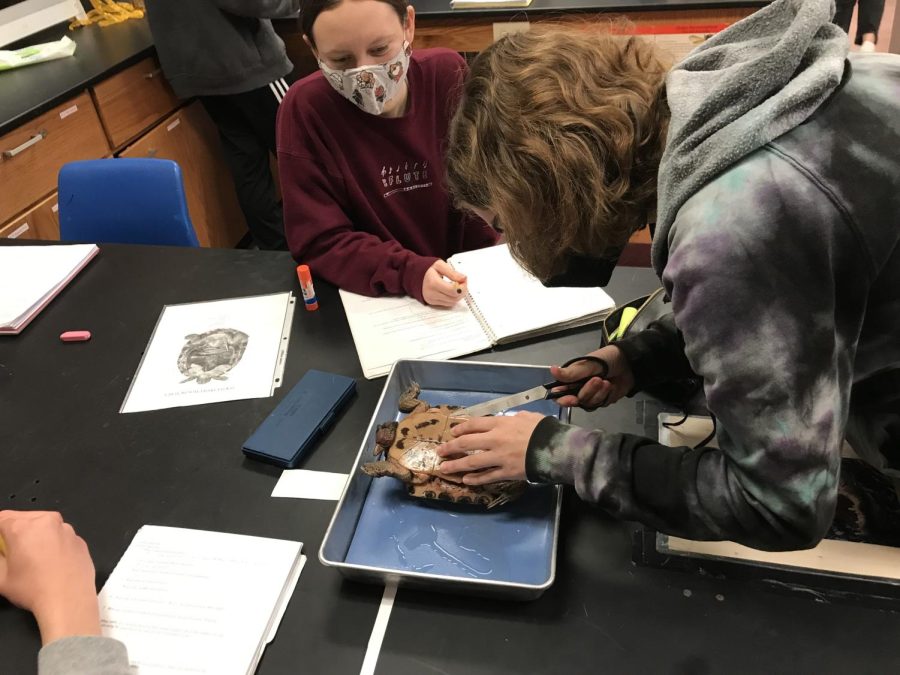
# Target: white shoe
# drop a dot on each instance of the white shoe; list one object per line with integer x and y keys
{"x": 867, "y": 46}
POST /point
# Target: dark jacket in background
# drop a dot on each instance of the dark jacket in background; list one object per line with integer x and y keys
{"x": 216, "y": 47}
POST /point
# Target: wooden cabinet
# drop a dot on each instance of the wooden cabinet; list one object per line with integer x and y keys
{"x": 16, "y": 228}
{"x": 130, "y": 114}
{"x": 133, "y": 100}
{"x": 190, "y": 138}
{"x": 30, "y": 156}
{"x": 39, "y": 222}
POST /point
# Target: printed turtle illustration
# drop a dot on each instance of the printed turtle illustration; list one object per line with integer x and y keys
{"x": 210, "y": 355}
{"x": 406, "y": 451}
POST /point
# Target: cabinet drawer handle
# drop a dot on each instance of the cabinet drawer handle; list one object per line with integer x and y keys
{"x": 19, "y": 231}
{"x": 152, "y": 74}
{"x": 37, "y": 138}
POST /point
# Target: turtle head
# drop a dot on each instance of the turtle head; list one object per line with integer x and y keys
{"x": 384, "y": 437}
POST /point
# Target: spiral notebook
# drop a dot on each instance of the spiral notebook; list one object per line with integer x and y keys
{"x": 504, "y": 304}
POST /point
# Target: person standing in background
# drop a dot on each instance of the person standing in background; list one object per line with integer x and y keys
{"x": 226, "y": 53}
{"x": 867, "y": 20}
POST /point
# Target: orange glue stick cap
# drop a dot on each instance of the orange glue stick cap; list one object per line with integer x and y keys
{"x": 306, "y": 287}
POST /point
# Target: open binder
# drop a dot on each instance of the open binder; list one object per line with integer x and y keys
{"x": 504, "y": 304}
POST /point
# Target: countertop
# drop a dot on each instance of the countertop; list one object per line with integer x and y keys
{"x": 27, "y": 92}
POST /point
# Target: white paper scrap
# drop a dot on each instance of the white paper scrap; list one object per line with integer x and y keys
{"x": 304, "y": 484}
{"x": 373, "y": 650}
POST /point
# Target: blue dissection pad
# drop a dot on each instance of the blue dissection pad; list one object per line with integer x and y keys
{"x": 511, "y": 543}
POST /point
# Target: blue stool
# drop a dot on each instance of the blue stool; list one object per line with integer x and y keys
{"x": 124, "y": 201}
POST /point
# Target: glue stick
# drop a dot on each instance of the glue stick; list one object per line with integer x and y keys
{"x": 306, "y": 287}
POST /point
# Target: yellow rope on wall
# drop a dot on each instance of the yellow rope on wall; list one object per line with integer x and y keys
{"x": 108, "y": 12}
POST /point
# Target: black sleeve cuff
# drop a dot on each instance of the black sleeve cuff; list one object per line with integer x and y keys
{"x": 656, "y": 354}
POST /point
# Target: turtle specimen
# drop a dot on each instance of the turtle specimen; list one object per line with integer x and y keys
{"x": 208, "y": 356}
{"x": 406, "y": 451}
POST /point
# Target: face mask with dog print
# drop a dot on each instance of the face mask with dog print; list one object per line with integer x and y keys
{"x": 370, "y": 87}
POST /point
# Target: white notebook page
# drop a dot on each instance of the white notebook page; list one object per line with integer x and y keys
{"x": 513, "y": 302}
{"x": 391, "y": 328}
{"x": 191, "y": 601}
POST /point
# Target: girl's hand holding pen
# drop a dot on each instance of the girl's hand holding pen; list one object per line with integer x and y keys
{"x": 437, "y": 291}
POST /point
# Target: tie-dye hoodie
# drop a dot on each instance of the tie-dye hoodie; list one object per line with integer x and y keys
{"x": 777, "y": 241}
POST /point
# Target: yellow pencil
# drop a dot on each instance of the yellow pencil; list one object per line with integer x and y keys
{"x": 2, "y": 547}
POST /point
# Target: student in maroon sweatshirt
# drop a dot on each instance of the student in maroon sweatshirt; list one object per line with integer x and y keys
{"x": 361, "y": 155}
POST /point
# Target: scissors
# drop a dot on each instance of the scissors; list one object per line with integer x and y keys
{"x": 539, "y": 393}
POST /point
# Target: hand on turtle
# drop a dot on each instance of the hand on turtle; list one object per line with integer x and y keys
{"x": 497, "y": 444}
{"x": 597, "y": 392}
{"x": 47, "y": 570}
{"x": 440, "y": 293}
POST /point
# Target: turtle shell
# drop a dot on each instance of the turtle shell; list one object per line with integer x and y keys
{"x": 409, "y": 451}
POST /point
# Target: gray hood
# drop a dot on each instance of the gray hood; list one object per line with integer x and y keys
{"x": 746, "y": 86}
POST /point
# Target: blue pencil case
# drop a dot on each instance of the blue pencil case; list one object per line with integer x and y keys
{"x": 300, "y": 420}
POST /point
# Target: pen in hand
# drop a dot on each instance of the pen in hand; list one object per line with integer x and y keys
{"x": 443, "y": 286}
{"x": 458, "y": 288}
